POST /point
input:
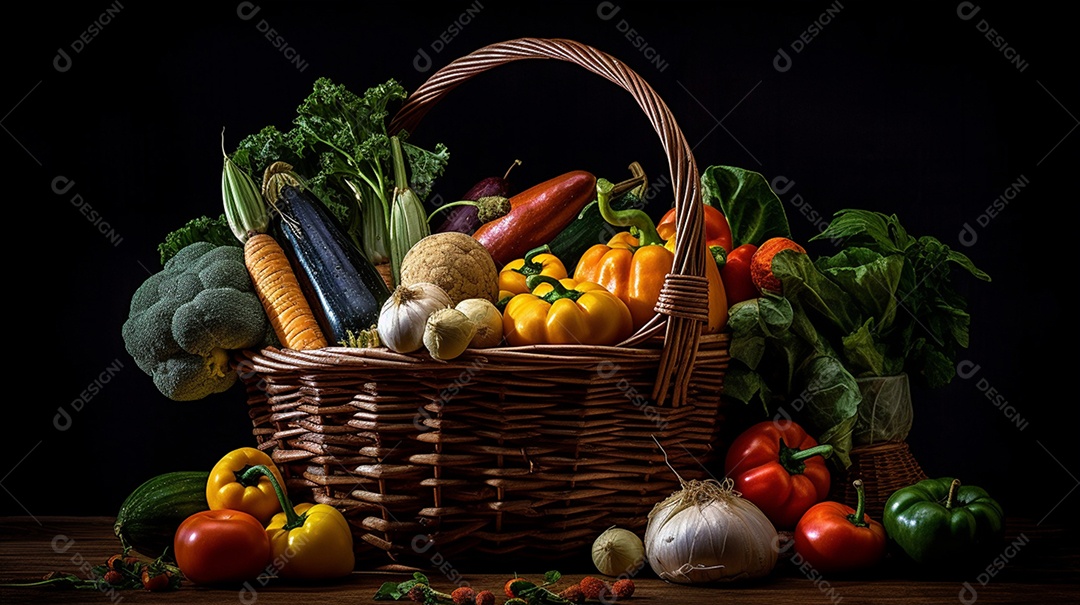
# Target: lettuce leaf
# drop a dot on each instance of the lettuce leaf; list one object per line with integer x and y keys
{"x": 752, "y": 208}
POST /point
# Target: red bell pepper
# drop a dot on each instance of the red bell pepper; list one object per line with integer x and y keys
{"x": 779, "y": 467}
{"x": 738, "y": 284}
{"x": 833, "y": 537}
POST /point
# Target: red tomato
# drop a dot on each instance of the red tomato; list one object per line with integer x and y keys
{"x": 221, "y": 547}
{"x": 736, "y": 276}
{"x": 832, "y": 537}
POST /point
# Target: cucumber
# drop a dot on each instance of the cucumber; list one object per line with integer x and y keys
{"x": 150, "y": 515}
{"x": 587, "y": 229}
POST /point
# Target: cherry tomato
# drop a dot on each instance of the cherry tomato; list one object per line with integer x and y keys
{"x": 736, "y": 276}
{"x": 155, "y": 582}
{"x": 221, "y": 547}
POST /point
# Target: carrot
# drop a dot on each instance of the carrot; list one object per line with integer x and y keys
{"x": 280, "y": 293}
{"x": 273, "y": 277}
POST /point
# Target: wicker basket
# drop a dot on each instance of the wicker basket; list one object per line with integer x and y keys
{"x": 884, "y": 468}
{"x": 533, "y": 450}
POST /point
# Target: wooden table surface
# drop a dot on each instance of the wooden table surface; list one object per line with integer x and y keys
{"x": 1037, "y": 564}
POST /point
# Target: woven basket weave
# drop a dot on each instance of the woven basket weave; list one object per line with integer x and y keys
{"x": 883, "y": 468}
{"x": 534, "y": 450}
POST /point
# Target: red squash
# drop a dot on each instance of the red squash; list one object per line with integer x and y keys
{"x": 779, "y": 467}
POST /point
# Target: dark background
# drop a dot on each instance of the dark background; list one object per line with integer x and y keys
{"x": 906, "y": 109}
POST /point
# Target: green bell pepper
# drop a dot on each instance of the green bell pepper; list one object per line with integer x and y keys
{"x": 939, "y": 520}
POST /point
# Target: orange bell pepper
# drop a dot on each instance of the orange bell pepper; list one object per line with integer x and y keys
{"x": 633, "y": 266}
{"x": 717, "y": 229}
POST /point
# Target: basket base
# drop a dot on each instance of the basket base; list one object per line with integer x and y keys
{"x": 883, "y": 468}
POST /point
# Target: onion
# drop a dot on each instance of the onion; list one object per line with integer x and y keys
{"x": 448, "y": 333}
{"x": 618, "y": 551}
{"x": 488, "y": 319}
{"x": 404, "y": 315}
{"x": 707, "y": 532}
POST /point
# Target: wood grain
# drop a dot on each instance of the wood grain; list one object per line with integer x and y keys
{"x": 1040, "y": 567}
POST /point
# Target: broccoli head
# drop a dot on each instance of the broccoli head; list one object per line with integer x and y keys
{"x": 186, "y": 319}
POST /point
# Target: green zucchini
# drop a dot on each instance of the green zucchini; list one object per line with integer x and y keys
{"x": 150, "y": 515}
{"x": 588, "y": 229}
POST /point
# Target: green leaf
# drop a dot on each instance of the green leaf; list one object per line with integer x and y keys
{"x": 832, "y": 397}
{"x": 552, "y": 577}
{"x": 388, "y": 592}
{"x": 875, "y": 230}
{"x": 862, "y": 353}
{"x": 813, "y": 291}
{"x": 752, "y": 208}
{"x": 743, "y": 384}
{"x": 394, "y": 591}
{"x": 961, "y": 259}
{"x": 870, "y": 278}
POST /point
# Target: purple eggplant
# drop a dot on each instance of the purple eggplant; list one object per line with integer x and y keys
{"x": 466, "y": 218}
{"x": 345, "y": 290}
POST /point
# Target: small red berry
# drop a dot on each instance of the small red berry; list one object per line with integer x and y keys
{"x": 113, "y": 577}
{"x": 418, "y": 593}
{"x": 485, "y": 597}
{"x": 592, "y": 587}
{"x": 623, "y": 589}
{"x": 573, "y": 594}
{"x": 509, "y": 589}
{"x": 463, "y": 595}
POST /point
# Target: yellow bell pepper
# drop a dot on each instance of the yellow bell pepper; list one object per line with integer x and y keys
{"x": 566, "y": 311}
{"x": 307, "y": 541}
{"x": 237, "y": 483}
{"x": 633, "y": 265}
{"x": 538, "y": 261}
{"x": 313, "y": 543}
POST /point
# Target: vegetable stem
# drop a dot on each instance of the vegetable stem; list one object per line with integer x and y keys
{"x": 950, "y": 500}
{"x": 824, "y": 450}
{"x": 292, "y": 518}
{"x": 791, "y": 458}
{"x": 632, "y": 218}
{"x": 858, "y": 518}
{"x": 557, "y": 289}
{"x": 530, "y": 266}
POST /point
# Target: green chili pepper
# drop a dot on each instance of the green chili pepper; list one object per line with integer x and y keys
{"x": 940, "y": 521}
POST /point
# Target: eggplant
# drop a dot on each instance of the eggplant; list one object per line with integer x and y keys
{"x": 344, "y": 288}
{"x": 466, "y": 219}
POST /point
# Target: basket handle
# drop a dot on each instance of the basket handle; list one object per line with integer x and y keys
{"x": 683, "y": 305}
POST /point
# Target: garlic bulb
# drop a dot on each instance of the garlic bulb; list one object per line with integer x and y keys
{"x": 706, "y": 532}
{"x": 405, "y": 313}
{"x": 489, "y": 321}
{"x": 447, "y": 333}
{"x": 618, "y": 551}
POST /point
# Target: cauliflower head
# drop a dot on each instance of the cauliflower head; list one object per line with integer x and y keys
{"x": 186, "y": 319}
